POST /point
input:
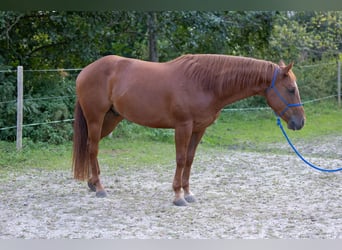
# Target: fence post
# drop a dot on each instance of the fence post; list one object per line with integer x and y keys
{"x": 20, "y": 78}
{"x": 339, "y": 83}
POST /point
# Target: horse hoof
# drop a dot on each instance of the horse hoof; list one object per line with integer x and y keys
{"x": 91, "y": 186}
{"x": 101, "y": 194}
{"x": 190, "y": 198}
{"x": 180, "y": 202}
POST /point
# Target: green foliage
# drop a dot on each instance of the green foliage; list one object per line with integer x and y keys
{"x": 317, "y": 80}
{"x": 218, "y": 32}
{"x": 49, "y": 99}
{"x": 8, "y": 107}
{"x": 55, "y": 104}
{"x": 66, "y": 39}
{"x": 306, "y": 37}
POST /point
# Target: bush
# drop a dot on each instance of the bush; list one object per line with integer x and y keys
{"x": 47, "y": 98}
{"x": 8, "y": 106}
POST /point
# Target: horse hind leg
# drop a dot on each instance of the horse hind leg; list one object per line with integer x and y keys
{"x": 87, "y": 134}
{"x": 110, "y": 121}
{"x": 94, "y": 183}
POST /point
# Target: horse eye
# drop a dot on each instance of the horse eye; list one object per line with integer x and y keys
{"x": 292, "y": 91}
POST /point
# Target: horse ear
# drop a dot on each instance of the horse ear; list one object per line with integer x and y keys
{"x": 288, "y": 68}
{"x": 285, "y": 69}
{"x": 281, "y": 63}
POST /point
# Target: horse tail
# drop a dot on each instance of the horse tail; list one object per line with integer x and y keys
{"x": 80, "y": 157}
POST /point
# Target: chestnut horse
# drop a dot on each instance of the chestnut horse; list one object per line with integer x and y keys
{"x": 186, "y": 94}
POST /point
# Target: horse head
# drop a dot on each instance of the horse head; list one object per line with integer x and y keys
{"x": 283, "y": 97}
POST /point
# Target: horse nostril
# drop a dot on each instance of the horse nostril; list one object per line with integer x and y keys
{"x": 296, "y": 124}
{"x": 290, "y": 124}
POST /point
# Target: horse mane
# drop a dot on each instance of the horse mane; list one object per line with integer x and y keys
{"x": 219, "y": 72}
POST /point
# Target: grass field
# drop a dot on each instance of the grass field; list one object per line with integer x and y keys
{"x": 133, "y": 145}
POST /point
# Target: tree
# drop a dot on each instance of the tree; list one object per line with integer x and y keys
{"x": 308, "y": 36}
{"x": 65, "y": 39}
{"x": 152, "y": 36}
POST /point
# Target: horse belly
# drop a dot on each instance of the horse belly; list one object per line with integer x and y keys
{"x": 145, "y": 108}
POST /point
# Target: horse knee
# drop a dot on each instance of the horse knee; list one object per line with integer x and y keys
{"x": 181, "y": 160}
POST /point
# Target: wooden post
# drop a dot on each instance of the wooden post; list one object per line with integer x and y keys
{"x": 20, "y": 78}
{"x": 339, "y": 84}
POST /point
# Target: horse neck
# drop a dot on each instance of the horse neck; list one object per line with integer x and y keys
{"x": 228, "y": 78}
{"x": 244, "y": 80}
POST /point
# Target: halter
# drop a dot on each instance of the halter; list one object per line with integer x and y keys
{"x": 288, "y": 105}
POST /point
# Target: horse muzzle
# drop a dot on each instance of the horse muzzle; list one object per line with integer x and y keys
{"x": 296, "y": 123}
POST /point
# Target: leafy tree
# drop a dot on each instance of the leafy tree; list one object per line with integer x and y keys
{"x": 66, "y": 39}
{"x": 308, "y": 36}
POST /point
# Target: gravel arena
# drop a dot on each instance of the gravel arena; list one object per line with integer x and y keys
{"x": 244, "y": 195}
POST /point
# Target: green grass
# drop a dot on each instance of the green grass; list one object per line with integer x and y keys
{"x": 37, "y": 155}
{"x": 253, "y": 129}
{"x": 133, "y": 146}
{"x": 119, "y": 153}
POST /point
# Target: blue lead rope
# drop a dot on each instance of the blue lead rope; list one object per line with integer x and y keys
{"x": 299, "y": 155}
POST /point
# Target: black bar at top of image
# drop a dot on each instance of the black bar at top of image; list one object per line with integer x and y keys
{"x": 145, "y": 5}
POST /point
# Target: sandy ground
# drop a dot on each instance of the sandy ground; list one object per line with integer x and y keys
{"x": 239, "y": 195}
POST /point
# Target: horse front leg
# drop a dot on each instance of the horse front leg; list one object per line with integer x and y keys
{"x": 182, "y": 139}
{"x": 194, "y": 141}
